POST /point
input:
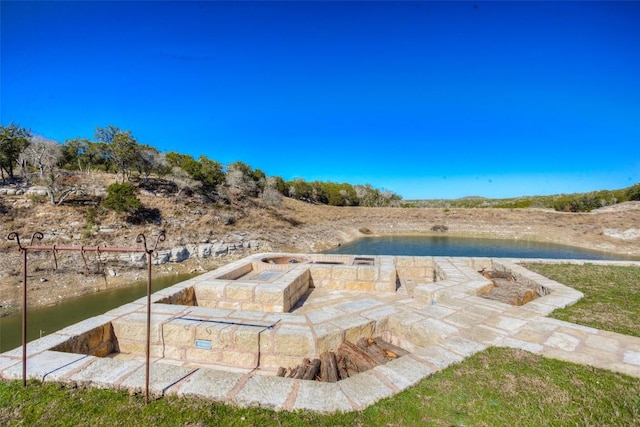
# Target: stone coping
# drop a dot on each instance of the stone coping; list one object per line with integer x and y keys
{"x": 442, "y": 323}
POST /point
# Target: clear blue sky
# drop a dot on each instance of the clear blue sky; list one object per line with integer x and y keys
{"x": 427, "y": 99}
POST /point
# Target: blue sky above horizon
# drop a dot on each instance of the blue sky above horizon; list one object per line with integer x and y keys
{"x": 427, "y": 99}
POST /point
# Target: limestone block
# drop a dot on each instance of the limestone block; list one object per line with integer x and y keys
{"x": 204, "y": 356}
{"x": 320, "y": 272}
{"x": 354, "y": 285}
{"x": 246, "y": 339}
{"x": 369, "y": 274}
{"x": 294, "y": 340}
{"x": 274, "y": 361}
{"x": 269, "y": 294}
{"x": 239, "y": 291}
{"x": 252, "y": 306}
{"x": 384, "y": 286}
{"x": 240, "y": 360}
{"x": 231, "y": 305}
{"x": 355, "y": 327}
{"x": 438, "y": 356}
{"x": 430, "y": 331}
{"x": 422, "y": 261}
{"x": 329, "y": 337}
{"x": 321, "y": 397}
{"x": 134, "y": 327}
{"x": 320, "y": 283}
{"x": 332, "y": 284}
{"x": 176, "y": 353}
{"x": 209, "y": 384}
{"x": 131, "y": 347}
{"x": 266, "y": 392}
{"x": 102, "y": 350}
{"x": 365, "y": 389}
{"x": 404, "y": 261}
{"x": 210, "y": 290}
{"x": 427, "y": 292}
{"x": 340, "y": 272}
{"x": 139, "y": 348}
{"x": 387, "y": 273}
{"x": 179, "y": 332}
{"x": 400, "y": 323}
{"x": 266, "y": 340}
{"x": 220, "y": 335}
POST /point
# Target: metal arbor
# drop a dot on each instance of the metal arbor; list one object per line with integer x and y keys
{"x": 24, "y": 250}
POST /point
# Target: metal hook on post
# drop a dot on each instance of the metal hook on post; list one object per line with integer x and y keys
{"x": 37, "y": 235}
{"x": 100, "y": 267}
{"x": 15, "y": 236}
{"x": 55, "y": 257}
{"x": 84, "y": 259}
{"x": 143, "y": 239}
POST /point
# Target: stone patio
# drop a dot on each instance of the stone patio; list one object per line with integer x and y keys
{"x": 222, "y": 335}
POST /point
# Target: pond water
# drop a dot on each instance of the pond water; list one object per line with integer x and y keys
{"x": 474, "y": 247}
{"x": 46, "y": 320}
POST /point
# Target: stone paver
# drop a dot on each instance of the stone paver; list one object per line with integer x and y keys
{"x": 228, "y": 350}
{"x": 321, "y": 397}
{"x": 263, "y": 391}
{"x": 209, "y": 384}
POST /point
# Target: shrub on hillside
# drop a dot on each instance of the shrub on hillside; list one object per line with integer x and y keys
{"x": 633, "y": 192}
{"x": 122, "y": 198}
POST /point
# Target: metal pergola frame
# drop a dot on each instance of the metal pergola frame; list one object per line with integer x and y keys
{"x": 24, "y": 250}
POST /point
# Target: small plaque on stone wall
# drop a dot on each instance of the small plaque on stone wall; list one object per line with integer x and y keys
{"x": 203, "y": 344}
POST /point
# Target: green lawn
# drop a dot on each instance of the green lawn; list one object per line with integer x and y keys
{"x": 497, "y": 387}
{"x": 611, "y": 295}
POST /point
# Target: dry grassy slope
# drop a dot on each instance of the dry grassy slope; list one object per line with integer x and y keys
{"x": 292, "y": 227}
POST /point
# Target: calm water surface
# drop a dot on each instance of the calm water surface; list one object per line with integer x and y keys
{"x": 460, "y": 246}
{"x": 46, "y": 320}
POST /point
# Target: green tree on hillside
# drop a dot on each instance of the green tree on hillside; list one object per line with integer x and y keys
{"x": 122, "y": 198}
{"x": 83, "y": 155}
{"x": 13, "y": 141}
{"x": 633, "y": 192}
{"x": 208, "y": 173}
{"x": 121, "y": 147}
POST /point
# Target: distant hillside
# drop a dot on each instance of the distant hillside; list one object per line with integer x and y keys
{"x": 578, "y": 202}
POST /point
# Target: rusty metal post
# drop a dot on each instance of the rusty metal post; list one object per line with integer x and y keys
{"x": 141, "y": 239}
{"x": 24, "y": 317}
{"x": 24, "y": 250}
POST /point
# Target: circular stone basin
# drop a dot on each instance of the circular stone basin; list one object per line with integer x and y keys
{"x": 284, "y": 260}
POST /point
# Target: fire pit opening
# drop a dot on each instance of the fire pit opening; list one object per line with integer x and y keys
{"x": 284, "y": 260}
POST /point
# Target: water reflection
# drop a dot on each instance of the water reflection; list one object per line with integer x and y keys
{"x": 46, "y": 320}
{"x": 460, "y": 246}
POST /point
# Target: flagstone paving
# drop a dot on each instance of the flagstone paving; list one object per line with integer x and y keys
{"x": 229, "y": 350}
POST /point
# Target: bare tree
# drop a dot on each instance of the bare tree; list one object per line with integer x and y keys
{"x": 43, "y": 154}
{"x": 182, "y": 180}
{"x": 270, "y": 195}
